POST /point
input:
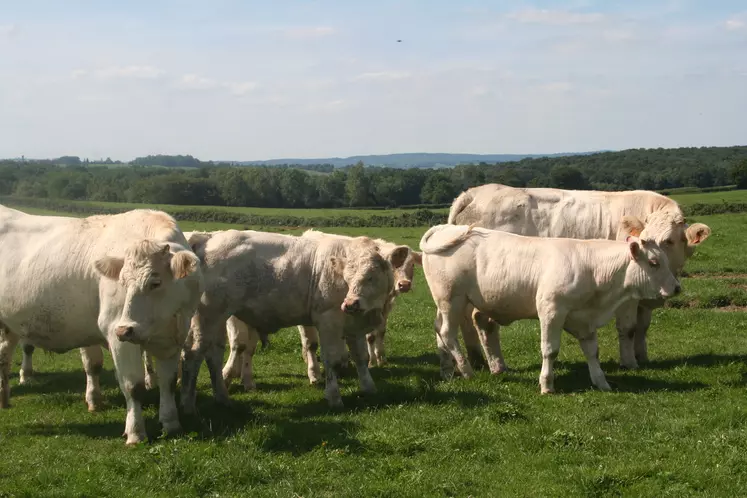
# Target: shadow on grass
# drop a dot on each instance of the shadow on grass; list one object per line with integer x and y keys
{"x": 699, "y": 360}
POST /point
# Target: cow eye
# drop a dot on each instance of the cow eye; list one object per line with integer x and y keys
{"x": 669, "y": 242}
{"x": 154, "y": 285}
{"x": 653, "y": 263}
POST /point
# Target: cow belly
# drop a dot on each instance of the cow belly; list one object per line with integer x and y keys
{"x": 52, "y": 331}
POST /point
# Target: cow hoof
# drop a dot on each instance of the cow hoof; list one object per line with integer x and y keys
{"x": 604, "y": 387}
{"x": 94, "y": 407}
{"x": 382, "y": 362}
{"x": 547, "y": 390}
{"x": 250, "y": 386}
{"x": 149, "y": 383}
{"x": 172, "y": 427}
{"x": 629, "y": 365}
{"x": 500, "y": 369}
{"x": 371, "y": 364}
{"x": 24, "y": 377}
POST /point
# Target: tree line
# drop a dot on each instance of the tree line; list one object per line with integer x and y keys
{"x": 359, "y": 186}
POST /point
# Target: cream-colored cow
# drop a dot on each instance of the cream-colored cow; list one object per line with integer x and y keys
{"x": 122, "y": 281}
{"x": 568, "y": 284}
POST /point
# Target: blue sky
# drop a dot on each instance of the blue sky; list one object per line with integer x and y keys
{"x": 229, "y": 79}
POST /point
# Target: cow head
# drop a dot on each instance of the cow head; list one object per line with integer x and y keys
{"x": 367, "y": 273}
{"x": 668, "y": 229}
{"x": 649, "y": 272}
{"x": 158, "y": 284}
{"x": 403, "y": 261}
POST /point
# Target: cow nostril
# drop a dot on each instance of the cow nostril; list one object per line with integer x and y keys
{"x": 124, "y": 333}
{"x": 677, "y": 290}
{"x": 403, "y": 286}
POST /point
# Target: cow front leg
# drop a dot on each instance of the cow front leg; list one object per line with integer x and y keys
{"x": 551, "y": 325}
{"x": 214, "y": 361}
{"x": 446, "y": 361}
{"x": 489, "y": 333}
{"x": 472, "y": 339}
{"x": 93, "y": 364}
{"x": 359, "y": 351}
{"x": 378, "y": 345}
{"x": 8, "y": 343}
{"x": 590, "y": 347}
{"x": 625, "y": 322}
{"x": 247, "y": 360}
{"x": 641, "y": 332}
{"x": 151, "y": 380}
{"x": 127, "y": 362}
{"x": 333, "y": 354}
{"x": 27, "y": 363}
{"x": 166, "y": 374}
{"x": 309, "y": 347}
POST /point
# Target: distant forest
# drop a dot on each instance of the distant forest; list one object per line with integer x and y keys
{"x": 186, "y": 181}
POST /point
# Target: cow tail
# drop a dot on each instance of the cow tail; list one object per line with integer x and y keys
{"x": 427, "y": 248}
{"x": 461, "y": 202}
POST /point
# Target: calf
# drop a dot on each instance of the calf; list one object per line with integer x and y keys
{"x": 123, "y": 281}
{"x": 568, "y": 284}
{"x": 271, "y": 281}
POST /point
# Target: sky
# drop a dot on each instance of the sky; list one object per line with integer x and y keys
{"x": 251, "y": 80}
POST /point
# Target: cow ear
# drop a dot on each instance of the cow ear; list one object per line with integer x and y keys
{"x": 417, "y": 257}
{"x": 697, "y": 233}
{"x": 632, "y": 225}
{"x": 398, "y": 256}
{"x": 183, "y": 264}
{"x": 165, "y": 249}
{"x": 338, "y": 264}
{"x": 635, "y": 249}
{"x": 109, "y": 267}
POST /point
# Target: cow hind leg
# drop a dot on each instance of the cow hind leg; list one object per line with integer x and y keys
{"x": 93, "y": 364}
{"x": 451, "y": 313}
{"x": 590, "y": 347}
{"x": 238, "y": 337}
{"x": 151, "y": 379}
{"x": 8, "y": 343}
{"x": 490, "y": 338}
{"x": 247, "y": 360}
{"x": 309, "y": 348}
{"x": 445, "y": 359}
{"x": 27, "y": 363}
{"x": 472, "y": 340}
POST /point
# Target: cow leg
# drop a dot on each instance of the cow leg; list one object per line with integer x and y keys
{"x": 551, "y": 324}
{"x": 8, "y": 343}
{"x": 590, "y": 347}
{"x": 238, "y": 337}
{"x": 309, "y": 348}
{"x": 151, "y": 380}
{"x": 93, "y": 364}
{"x": 472, "y": 340}
{"x": 445, "y": 358}
{"x": 166, "y": 374}
{"x": 247, "y": 360}
{"x": 357, "y": 347}
{"x": 127, "y": 362}
{"x": 491, "y": 341}
{"x": 625, "y": 322}
{"x": 641, "y": 331}
{"x": 333, "y": 353}
{"x": 375, "y": 341}
{"x": 451, "y": 313}
{"x": 27, "y": 363}
{"x": 214, "y": 361}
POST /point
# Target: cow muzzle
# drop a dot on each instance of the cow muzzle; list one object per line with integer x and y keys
{"x": 125, "y": 333}
{"x": 404, "y": 285}
{"x": 351, "y": 305}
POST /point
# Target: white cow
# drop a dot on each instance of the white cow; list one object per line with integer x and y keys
{"x": 568, "y": 284}
{"x": 580, "y": 214}
{"x": 271, "y": 281}
{"x": 243, "y": 340}
{"x": 125, "y": 281}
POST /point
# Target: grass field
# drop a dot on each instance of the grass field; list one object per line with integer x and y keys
{"x": 677, "y": 427}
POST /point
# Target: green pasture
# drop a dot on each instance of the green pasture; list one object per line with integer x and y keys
{"x": 676, "y": 427}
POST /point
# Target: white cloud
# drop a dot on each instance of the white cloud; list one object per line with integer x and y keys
{"x": 556, "y": 87}
{"x": 241, "y": 88}
{"x": 736, "y": 23}
{"x": 196, "y": 82}
{"x": 556, "y": 17}
{"x": 383, "y": 76}
{"x": 139, "y": 72}
{"x": 308, "y": 32}
{"x": 8, "y": 30}
{"x": 329, "y": 106}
